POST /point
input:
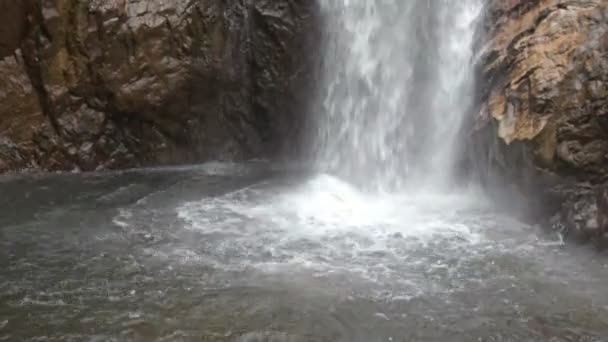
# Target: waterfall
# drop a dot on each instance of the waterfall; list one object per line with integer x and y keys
{"x": 397, "y": 85}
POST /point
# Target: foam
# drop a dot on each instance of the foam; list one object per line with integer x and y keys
{"x": 327, "y": 226}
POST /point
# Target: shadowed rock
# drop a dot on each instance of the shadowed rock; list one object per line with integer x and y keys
{"x": 124, "y": 83}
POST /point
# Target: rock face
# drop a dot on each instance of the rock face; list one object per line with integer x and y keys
{"x": 124, "y": 83}
{"x": 542, "y": 123}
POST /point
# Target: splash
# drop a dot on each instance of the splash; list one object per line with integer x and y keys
{"x": 326, "y": 226}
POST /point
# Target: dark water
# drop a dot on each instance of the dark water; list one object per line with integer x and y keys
{"x": 249, "y": 253}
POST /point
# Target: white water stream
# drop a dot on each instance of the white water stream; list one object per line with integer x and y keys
{"x": 398, "y": 83}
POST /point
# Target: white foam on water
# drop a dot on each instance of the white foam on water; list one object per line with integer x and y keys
{"x": 122, "y": 219}
{"x": 328, "y": 227}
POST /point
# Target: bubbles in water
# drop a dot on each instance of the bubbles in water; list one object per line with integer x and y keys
{"x": 326, "y": 226}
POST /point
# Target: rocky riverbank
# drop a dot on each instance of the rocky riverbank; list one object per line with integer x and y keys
{"x": 126, "y": 83}
{"x": 542, "y": 123}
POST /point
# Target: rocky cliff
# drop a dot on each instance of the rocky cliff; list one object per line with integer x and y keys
{"x": 542, "y": 123}
{"x": 122, "y": 83}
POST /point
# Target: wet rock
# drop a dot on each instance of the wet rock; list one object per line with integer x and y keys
{"x": 123, "y": 83}
{"x": 9, "y": 154}
{"x": 13, "y": 14}
{"x": 543, "y": 96}
{"x": 581, "y": 214}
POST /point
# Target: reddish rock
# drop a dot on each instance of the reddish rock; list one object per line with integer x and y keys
{"x": 544, "y": 82}
{"x": 124, "y": 83}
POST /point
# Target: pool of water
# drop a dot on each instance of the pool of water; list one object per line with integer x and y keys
{"x": 250, "y": 252}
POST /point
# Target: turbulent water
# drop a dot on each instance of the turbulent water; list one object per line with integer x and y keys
{"x": 251, "y": 253}
{"x": 366, "y": 250}
{"x": 398, "y": 84}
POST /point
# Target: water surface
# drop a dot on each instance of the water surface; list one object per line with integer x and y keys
{"x": 253, "y": 253}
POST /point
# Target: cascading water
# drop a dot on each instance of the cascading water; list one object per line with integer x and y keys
{"x": 398, "y": 84}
